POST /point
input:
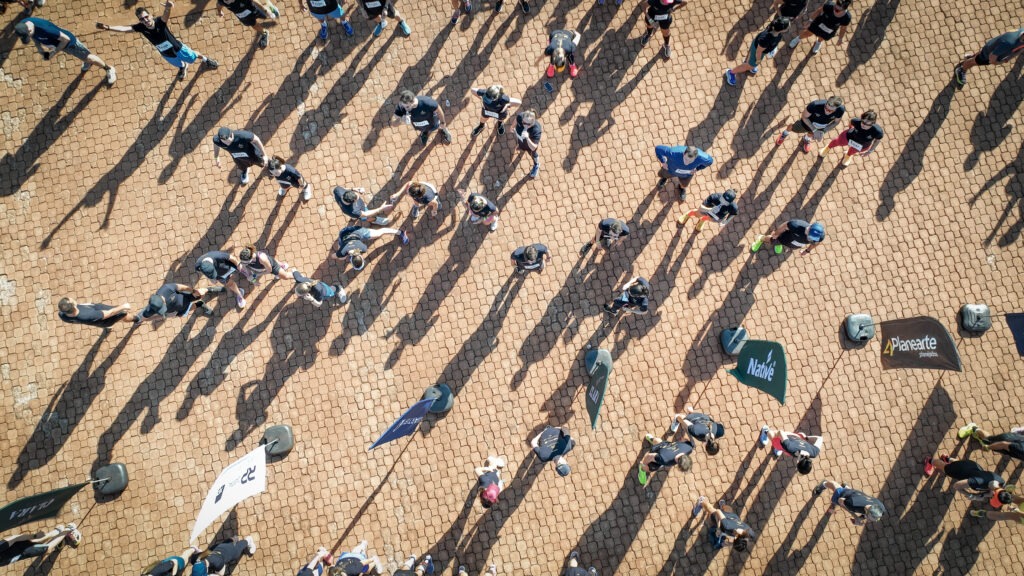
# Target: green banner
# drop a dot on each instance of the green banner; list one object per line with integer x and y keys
{"x": 599, "y": 368}
{"x": 38, "y": 507}
{"x": 762, "y": 365}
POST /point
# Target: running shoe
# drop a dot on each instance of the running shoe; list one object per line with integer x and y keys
{"x": 323, "y": 31}
{"x": 404, "y": 27}
{"x": 111, "y": 76}
{"x": 966, "y": 431}
{"x": 349, "y": 31}
{"x": 960, "y": 75}
{"x": 781, "y": 137}
{"x": 730, "y": 78}
{"x": 379, "y": 29}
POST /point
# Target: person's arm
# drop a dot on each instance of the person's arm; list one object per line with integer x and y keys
{"x": 216, "y": 154}
{"x": 258, "y": 144}
{"x": 433, "y": 205}
{"x": 775, "y": 5}
{"x": 817, "y": 12}
{"x": 109, "y": 28}
{"x": 513, "y": 103}
{"x": 808, "y": 249}
{"x": 481, "y": 470}
{"x": 962, "y": 486}
{"x": 779, "y": 231}
{"x": 529, "y": 141}
{"x": 645, "y": 463}
{"x": 842, "y": 34}
{"x": 334, "y": 250}
{"x": 806, "y": 117}
{"x": 167, "y": 10}
{"x": 439, "y": 116}
{"x": 117, "y": 310}
{"x": 536, "y": 440}
{"x": 541, "y": 58}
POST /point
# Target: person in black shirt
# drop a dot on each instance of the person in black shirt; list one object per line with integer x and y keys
{"x": 718, "y": 207}
{"x": 50, "y": 39}
{"x": 324, "y": 9}
{"x": 1010, "y": 443}
{"x": 664, "y": 454}
{"x": 174, "y": 51}
{"x": 574, "y": 558}
{"x": 481, "y": 210}
{"x": 634, "y": 298}
{"x": 796, "y": 235}
{"x": 17, "y": 547}
{"x": 820, "y": 117}
{"x": 423, "y": 113}
{"x": 245, "y": 148}
{"x": 972, "y": 480}
{"x": 318, "y": 565}
{"x": 700, "y": 428}
{"x": 659, "y": 12}
{"x": 424, "y": 197}
{"x": 609, "y": 232}
{"x": 789, "y": 8}
{"x": 797, "y": 444}
{"x": 864, "y": 508}
{"x": 226, "y": 553}
{"x": 861, "y": 138}
{"x": 828, "y": 21}
{"x": 353, "y": 242}
{"x": 352, "y": 204}
{"x": 553, "y": 444}
{"x": 378, "y": 9}
{"x": 220, "y": 267}
{"x": 253, "y": 263}
{"x": 317, "y": 292}
{"x": 175, "y": 300}
{"x": 250, "y": 13}
{"x": 561, "y": 50}
{"x": 728, "y": 526}
{"x": 98, "y": 315}
{"x": 288, "y": 177}
{"x": 528, "y": 132}
{"x": 995, "y": 51}
{"x": 496, "y": 104}
{"x": 764, "y": 44}
{"x": 532, "y": 257}
{"x": 488, "y": 480}
{"x": 425, "y": 567}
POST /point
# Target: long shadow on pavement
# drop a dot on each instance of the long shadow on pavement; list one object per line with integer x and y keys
{"x": 867, "y": 37}
{"x": 992, "y": 126}
{"x": 1014, "y": 173}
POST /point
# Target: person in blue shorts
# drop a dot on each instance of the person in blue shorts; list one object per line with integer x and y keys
{"x": 50, "y": 39}
{"x": 174, "y": 51}
{"x": 862, "y": 507}
{"x": 766, "y": 43}
{"x": 996, "y": 51}
{"x": 324, "y": 9}
{"x": 679, "y": 164}
{"x": 381, "y": 10}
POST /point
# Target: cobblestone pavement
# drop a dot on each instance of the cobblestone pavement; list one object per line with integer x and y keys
{"x": 110, "y": 192}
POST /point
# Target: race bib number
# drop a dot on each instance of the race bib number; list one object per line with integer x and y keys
{"x": 825, "y": 29}
{"x": 682, "y": 172}
{"x": 243, "y": 14}
{"x": 491, "y": 114}
{"x": 661, "y": 17}
{"x": 421, "y": 123}
{"x": 239, "y": 155}
{"x": 819, "y": 125}
{"x": 318, "y": 3}
{"x": 856, "y": 145}
{"x": 164, "y": 47}
{"x": 373, "y": 4}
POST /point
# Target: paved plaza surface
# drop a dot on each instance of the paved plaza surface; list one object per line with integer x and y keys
{"x": 107, "y": 193}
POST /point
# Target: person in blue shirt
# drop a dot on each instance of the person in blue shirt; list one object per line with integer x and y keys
{"x": 996, "y": 51}
{"x": 50, "y": 39}
{"x": 680, "y": 163}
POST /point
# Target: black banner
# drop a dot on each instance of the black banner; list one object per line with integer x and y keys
{"x": 921, "y": 342}
{"x": 38, "y": 507}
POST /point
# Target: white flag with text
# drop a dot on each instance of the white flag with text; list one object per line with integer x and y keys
{"x": 242, "y": 479}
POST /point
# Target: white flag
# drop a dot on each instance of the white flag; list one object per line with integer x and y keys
{"x": 242, "y": 479}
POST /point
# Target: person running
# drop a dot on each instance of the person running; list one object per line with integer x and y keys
{"x": 460, "y": 7}
{"x": 424, "y": 114}
{"x": 664, "y": 454}
{"x": 288, "y": 177}
{"x": 797, "y": 235}
{"x": 356, "y": 562}
{"x": 679, "y": 164}
{"x": 830, "y": 20}
{"x": 1009, "y": 443}
{"x": 24, "y": 546}
{"x": 482, "y": 211}
{"x": 820, "y": 117}
{"x": 971, "y": 479}
{"x": 173, "y": 565}
{"x": 610, "y": 232}
{"x": 861, "y": 138}
{"x": 424, "y": 197}
{"x": 700, "y": 428}
{"x": 789, "y": 8}
{"x": 216, "y": 560}
{"x": 553, "y": 444}
{"x": 488, "y": 480}
{"x": 176, "y": 300}
{"x": 528, "y": 134}
{"x": 996, "y": 51}
{"x": 253, "y": 264}
{"x": 352, "y": 243}
{"x": 718, "y": 207}
{"x": 797, "y": 444}
{"x": 97, "y": 315}
{"x": 574, "y": 558}
{"x": 316, "y": 292}
{"x": 532, "y": 257}
{"x": 424, "y": 568}
{"x": 766, "y": 43}
{"x": 728, "y": 527}
{"x": 245, "y": 148}
{"x": 174, "y": 51}
{"x": 323, "y": 10}
{"x": 1008, "y": 515}
{"x": 318, "y": 564}
{"x": 496, "y": 104}
{"x": 634, "y": 298}
{"x": 377, "y": 9}
{"x": 492, "y": 570}
{"x": 251, "y": 13}
{"x": 523, "y": 4}
{"x": 353, "y": 205}
{"x": 561, "y": 50}
{"x": 220, "y": 267}
{"x": 50, "y": 39}
{"x": 659, "y": 12}
{"x": 862, "y": 507}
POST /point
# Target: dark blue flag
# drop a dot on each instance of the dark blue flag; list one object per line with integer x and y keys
{"x": 1016, "y": 323}
{"x": 406, "y": 423}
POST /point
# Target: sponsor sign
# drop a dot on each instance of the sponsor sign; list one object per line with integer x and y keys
{"x": 921, "y": 342}
{"x": 762, "y": 365}
{"x": 38, "y": 507}
{"x": 406, "y": 423}
{"x": 244, "y": 478}
{"x": 1016, "y": 324}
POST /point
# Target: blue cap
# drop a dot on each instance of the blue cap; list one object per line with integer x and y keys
{"x": 816, "y": 233}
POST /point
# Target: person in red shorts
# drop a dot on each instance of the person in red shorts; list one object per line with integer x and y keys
{"x": 860, "y": 139}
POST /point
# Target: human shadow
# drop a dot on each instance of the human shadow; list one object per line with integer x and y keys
{"x": 8, "y": 39}
{"x": 704, "y": 133}
{"x": 110, "y": 184}
{"x": 373, "y": 495}
{"x": 17, "y": 168}
{"x": 1014, "y": 175}
{"x": 790, "y": 558}
{"x": 736, "y": 39}
{"x": 867, "y": 36}
{"x": 270, "y": 114}
{"x": 445, "y": 549}
{"x": 908, "y": 547}
{"x": 187, "y": 138}
{"x": 911, "y": 160}
{"x": 992, "y": 126}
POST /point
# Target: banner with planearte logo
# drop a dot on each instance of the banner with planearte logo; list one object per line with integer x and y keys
{"x": 921, "y": 342}
{"x": 762, "y": 365}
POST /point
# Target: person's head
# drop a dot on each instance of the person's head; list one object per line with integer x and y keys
{"x": 157, "y": 304}
{"x": 729, "y": 195}
{"x": 356, "y": 259}
{"x": 711, "y": 445}
{"x": 869, "y": 118}
{"x": 493, "y": 93}
{"x": 145, "y": 17}
{"x": 874, "y": 512}
{"x": 207, "y": 267}
{"x": 741, "y": 542}
{"x": 276, "y": 165}
{"x": 690, "y": 154}
{"x": 530, "y": 254}
{"x": 562, "y": 466}
{"x": 842, "y": 6}
{"x": 406, "y": 99}
{"x": 225, "y": 135}
{"x": 477, "y": 203}
{"x": 779, "y": 25}
{"x": 348, "y": 197}
{"x": 67, "y": 305}
{"x": 816, "y": 232}
{"x": 638, "y": 290}
{"x": 832, "y": 103}
{"x": 1000, "y": 498}
{"x": 24, "y": 31}
{"x": 302, "y": 288}
{"x": 684, "y": 462}
{"x": 804, "y": 464}
{"x": 559, "y": 58}
{"x": 489, "y": 495}
{"x": 529, "y": 117}
{"x": 247, "y": 254}
{"x": 417, "y": 190}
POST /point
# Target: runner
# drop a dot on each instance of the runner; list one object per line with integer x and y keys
{"x": 524, "y": 4}
{"x": 488, "y": 481}
{"x": 424, "y": 197}
{"x": 322, "y": 10}
{"x": 50, "y": 39}
{"x": 220, "y": 267}
{"x": 496, "y": 104}
{"x": 797, "y": 444}
{"x": 353, "y": 205}
{"x": 176, "y": 300}
{"x": 253, "y": 263}
{"x": 728, "y": 528}
{"x": 861, "y": 138}
{"x": 250, "y": 13}
{"x": 609, "y": 232}
{"x": 482, "y": 210}
{"x": 797, "y": 235}
{"x": 552, "y": 444}
{"x": 174, "y": 51}
{"x": 820, "y": 117}
{"x": 174, "y": 565}
{"x": 634, "y": 298}
{"x": 574, "y": 557}
{"x": 532, "y": 257}
{"x": 424, "y": 114}
{"x": 288, "y": 177}
{"x": 96, "y": 315}
{"x": 680, "y": 163}
{"x": 833, "y": 16}
{"x": 561, "y": 50}
{"x": 353, "y": 240}
{"x": 459, "y": 7}
{"x": 376, "y": 9}
{"x": 789, "y": 8}
{"x": 700, "y": 428}
{"x": 17, "y": 547}
{"x": 425, "y": 567}
{"x": 766, "y": 43}
{"x": 996, "y": 51}
{"x": 659, "y": 12}
{"x": 862, "y": 507}
{"x": 528, "y": 134}
{"x": 318, "y": 564}
{"x": 664, "y": 454}
{"x": 245, "y": 148}
{"x": 972, "y": 480}
{"x": 1009, "y": 443}
{"x": 316, "y": 292}
{"x": 718, "y": 207}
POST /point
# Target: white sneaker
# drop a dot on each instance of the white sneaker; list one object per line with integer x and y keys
{"x": 307, "y": 193}
{"x": 245, "y": 176}
{"x": 281, "y": 192}
{"x": 111, "y": 76}
{"x": 794, "y": 42}
{"x": 816, "y": 48}
{"x": 252, "y": 545}
{"x": 494, "y": 225}
{"x": 342, "y": 295}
